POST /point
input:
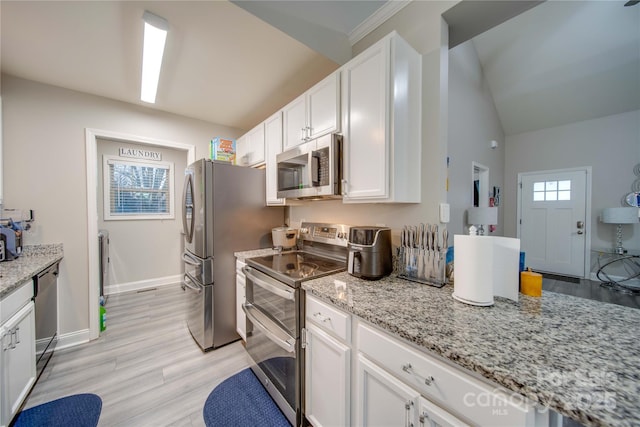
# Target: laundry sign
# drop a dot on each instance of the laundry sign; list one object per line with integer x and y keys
{"x": 137, "y": 153}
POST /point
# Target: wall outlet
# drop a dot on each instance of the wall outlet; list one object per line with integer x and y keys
{"x": 444, "y": 213}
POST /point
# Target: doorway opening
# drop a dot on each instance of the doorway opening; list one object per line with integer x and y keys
{"x": 91, "y": 144}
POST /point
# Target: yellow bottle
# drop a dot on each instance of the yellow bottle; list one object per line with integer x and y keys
{"x": 531, "y": 283}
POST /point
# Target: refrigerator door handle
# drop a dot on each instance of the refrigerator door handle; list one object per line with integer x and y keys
{"x": 187, "y": 228}
{"x": 186, "y": 281}
{"x": 188, "y": 259}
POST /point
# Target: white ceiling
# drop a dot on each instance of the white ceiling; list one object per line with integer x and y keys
{"x": 563, "y": 62}
{"x": 224, "y": 65}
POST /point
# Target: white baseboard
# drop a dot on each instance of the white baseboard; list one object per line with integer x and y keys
{"x": 72, "y": 339}
{"x": 142, "y": 284}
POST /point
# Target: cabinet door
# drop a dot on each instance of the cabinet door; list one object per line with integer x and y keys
{"x": 431, "y": 415}
{"x": 273, "y": 147}
{"x": 242, "y": 151}
{"x": 328, "y": 377}
{"x": 256, "y": 145}
{"x": 383, "y": 400}
{"x": 241, "y": 320}
{"x": 18, "y": 360}
{"x": 323, "y": 107}
{"x": 294, "y": 123}
{"x": 366, "y": 147}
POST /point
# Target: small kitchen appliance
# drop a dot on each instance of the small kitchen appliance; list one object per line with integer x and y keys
{"x": 275, "y": 310}
{"x": 284, "y": 238}
{"x": 12, "y": 239}
{"x": 369, "y": 252}
{"x": 312, "y": 170}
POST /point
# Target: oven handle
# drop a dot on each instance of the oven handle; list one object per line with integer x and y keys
{"x": 260, "y": 320}
{"x": 268, "y": 283}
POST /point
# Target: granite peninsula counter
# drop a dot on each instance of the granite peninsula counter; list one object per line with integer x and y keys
{"x": 577, "y": 356}
{"x": 33, "y": 260}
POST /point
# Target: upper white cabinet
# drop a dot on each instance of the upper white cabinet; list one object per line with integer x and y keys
{"x": 273, "y": 147}
{"x": 381, "y": 99}
{"x": 250, "y": 147}
{"x": 313, "y": 114}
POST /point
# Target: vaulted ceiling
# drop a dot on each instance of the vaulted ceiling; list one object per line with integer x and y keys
{"x": 226, "y": 65}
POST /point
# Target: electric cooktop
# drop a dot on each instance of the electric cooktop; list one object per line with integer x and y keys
{"x": 296, "y": 266}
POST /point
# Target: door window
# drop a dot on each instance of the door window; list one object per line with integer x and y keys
{"x": 549, "y": 191}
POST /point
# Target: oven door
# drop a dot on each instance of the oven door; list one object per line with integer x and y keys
{"x": 272, "y": 339}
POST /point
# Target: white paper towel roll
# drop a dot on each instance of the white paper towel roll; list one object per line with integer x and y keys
{"x": 485, "y": 266}
{"x": 473, "y": 269}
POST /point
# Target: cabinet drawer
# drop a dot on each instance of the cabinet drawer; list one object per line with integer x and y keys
{"x": 16, "y": 300}
{"x": 450, "y": 387}
{"x": 329, "y": 319}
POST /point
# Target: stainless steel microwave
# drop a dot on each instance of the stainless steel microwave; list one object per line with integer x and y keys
{"x": 312, "y": 170}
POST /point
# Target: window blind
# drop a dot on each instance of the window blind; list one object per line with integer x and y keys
{"x": 138, "y": 189}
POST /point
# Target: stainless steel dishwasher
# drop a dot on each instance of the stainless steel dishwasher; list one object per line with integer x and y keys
{"x": 45, "y": 294}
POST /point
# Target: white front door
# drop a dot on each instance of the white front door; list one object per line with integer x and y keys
{"x": 553, "y": 223}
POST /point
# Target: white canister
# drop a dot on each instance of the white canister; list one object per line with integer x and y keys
{"x": 284, "y": 237}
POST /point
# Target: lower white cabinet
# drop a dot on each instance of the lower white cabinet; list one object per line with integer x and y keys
{"x": 17, "y": 352}
{"x": 327, "y": 378}
{"x": 241, "y": 320}
{"x": 381, "y": 399}
{"x": 327, "y": 338}
{"x": 384, "y": 400}
{"x": 375, "y": 379}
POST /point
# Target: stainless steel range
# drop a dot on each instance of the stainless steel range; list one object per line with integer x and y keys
{"x": 275, "y": 310}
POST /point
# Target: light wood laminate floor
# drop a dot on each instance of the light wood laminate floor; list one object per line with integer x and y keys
{"x": 146, "y": 367}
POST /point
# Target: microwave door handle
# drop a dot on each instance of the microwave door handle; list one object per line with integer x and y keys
{"x": 253, "y": 314}
{"x": 314, "y": 170}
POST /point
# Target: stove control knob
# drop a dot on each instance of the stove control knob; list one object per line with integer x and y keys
{"x": 304, "y": 230}
{"x": 342, "y": 235}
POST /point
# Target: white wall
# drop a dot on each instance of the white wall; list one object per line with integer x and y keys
{"x": 143, "y": 250}
{"x": 473, "y": 123}
{"x": 419, "y": 23}
{"x": 610, "y": 145}
{"x": 44, "y": 168}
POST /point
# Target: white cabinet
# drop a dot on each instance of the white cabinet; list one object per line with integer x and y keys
{"x": 381, "y": 99}
{"x": 382, "y": 400}
{"x": 313, "y": 114}
{"x": 431, "y": 415}
{"x": 250, "y": 147}
{"x": 241, "y": 320}
{"x": 273, "y": 147}
{"x": 17, "y": 351}
{"x": 447, "y": 386}
{"x": 327, "y": 365}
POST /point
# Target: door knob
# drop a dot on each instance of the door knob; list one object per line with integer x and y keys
{"x": 580, "y": 224}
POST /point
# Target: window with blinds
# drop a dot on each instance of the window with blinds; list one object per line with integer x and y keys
{"x": 137, "y": 189}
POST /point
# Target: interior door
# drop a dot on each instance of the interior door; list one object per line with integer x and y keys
{"x": 553, "y": 221}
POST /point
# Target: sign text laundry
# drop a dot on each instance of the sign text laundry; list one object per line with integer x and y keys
{"x": 137, "y": 153}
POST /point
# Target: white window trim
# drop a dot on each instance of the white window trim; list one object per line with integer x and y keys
{"x": 108, "y": 216}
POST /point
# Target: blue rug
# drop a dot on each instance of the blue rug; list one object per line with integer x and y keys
{"x": 242, "y": 401}
{"x": 79, "y": 410}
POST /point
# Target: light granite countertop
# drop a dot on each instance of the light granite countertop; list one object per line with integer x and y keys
{"x": 577, "y": 356}
{"x": 33, "y": 260}
{"x": 254, "y": 253}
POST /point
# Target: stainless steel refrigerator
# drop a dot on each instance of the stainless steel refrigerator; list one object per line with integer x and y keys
{"x": 223, "y": 211}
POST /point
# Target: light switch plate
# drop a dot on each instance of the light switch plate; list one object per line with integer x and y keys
{"x": 444, "y": 213}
